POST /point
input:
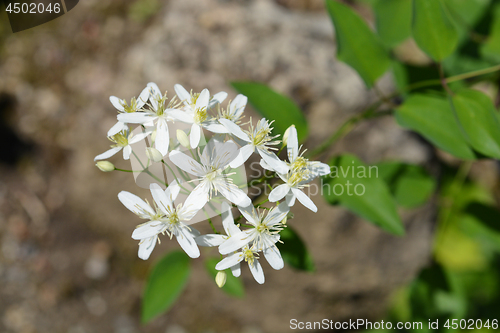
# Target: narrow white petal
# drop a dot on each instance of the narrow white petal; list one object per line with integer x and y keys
{"x": 182, "y": 116}
{"x": 273, "y": 161}
{"x": 108, "y": 153}
{"x": 227, "y": 220}
{"x": 182, "y": 93}
{"x": 147, "y": 230}
{"x": 155, "y": 94}
{"x": 195, "y": 135}
{"x": 257, "y": 272}
{"x": 172, "y": 190}
{"x": 249, "y": 214}
{"x": 188, "y": 244}
{"x": 203, "y": 98}
{"x": 127, "y": 150}
{"x": 238, "y": 105}
{"x": 217, "y": 98}
{"x": 215, "y": 127}
{"x": 117, "y": 103}
{"x": 279, "y": 192}
{"x": 234, "y": 243}
{"x": 138, "y": 137}
{"x": 143, "y": 97}
{"x": 195, "y": 201}
{"x": 161, "y": 199}
{"x": 117, "y": 128}
{"x": 146, "y": 247}
{"x": 135, "y": 204}
{"x": 136, "y": 117}
{"x": 243, "y": 155}
{"x": 229, "y": 261}
{"x": 290, "y": 199}
{"x": 186, "y": 163}
{"x": 273, "y": 257}
{"x": 292, "y": 145}
{"x": 304, "y": 199}
{"x": 277, "y": 214}
{"x": 162, "y": 139}
{"x": 236, "y": 270}
{"x": 232, "y": 193}
{"x": 234, "y": 129}
{"x": 210, "y": 240}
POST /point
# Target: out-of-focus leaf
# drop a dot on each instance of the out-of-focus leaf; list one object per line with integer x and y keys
{"x": 433, "y": 29}
{"x": 482, "y": 222}
{"x": 491, "y": 49}
{"x": 294, "y": 251}
{"x": 406, "y": 75}
{"x": 465, "y": 14}
{"x": 165, "y": 284}
{"x": 274, "y": 106}
{"x": 432, "y": 117}
{"x": 357, "y": 45}
{"x": 357, "y": 188}
{"x": 233, "y": 286}
{"x": 393, "y": 19}
{"x": 478, "y": 117}
{"x": 410, "y": 184}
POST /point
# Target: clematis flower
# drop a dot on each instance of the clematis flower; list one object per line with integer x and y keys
{"x": 196, "y": 114}
{"x": 189, "y": 99}
{"x": 263, "y": 235}
{"x": 229, "y": 227}
{"x": 214, "y": 160}
{"x": 235, "y": 110}
{"x": 249, "y": 254}
{"x": 302, "y": 171}
{"x": 158, "y": 113}
{"x": 122, "y": 140}
{"x": 123, "y": 107}
{"x": 164, "y": 218}
{"x": 257, "y": 139}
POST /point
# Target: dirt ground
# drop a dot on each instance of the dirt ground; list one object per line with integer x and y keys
{"x": 67, "y": 262}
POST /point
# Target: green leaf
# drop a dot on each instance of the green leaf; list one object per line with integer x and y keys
{"x": 358, "y": 188}
{"x": 433, "y": 30}
{"x": 393, "y": 19}
{"x": 482, "y": 222}
{"x": 466, "y": 14}
{"x": 274, "y": 106}
{"x": 491, "y": 49}
{"x": 294, "y": 251}
{"x": 165, "y": 284}
{"x": 410, "y": 184}
{"x": 478, "y": 117}
{"x": 233, "y": 286}
{"x": 357, "y": 45}
{"x": 432, "y": 117}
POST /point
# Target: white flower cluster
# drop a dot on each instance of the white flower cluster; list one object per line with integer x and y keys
{"x": 230, "y": 147}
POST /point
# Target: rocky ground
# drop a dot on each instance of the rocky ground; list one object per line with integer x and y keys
{"x": 67, "y": 263}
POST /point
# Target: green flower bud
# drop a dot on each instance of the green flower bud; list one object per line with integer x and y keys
{"x": 220, "y": 278}
{"x": 183, "y": 138}
{"x": 154, "y": 154}
{"x": 105, "y": 166}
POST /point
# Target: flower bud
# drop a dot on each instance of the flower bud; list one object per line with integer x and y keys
{"x": 183, "y": 138}
{"x": 220, "y": 278}
{"x": 285, "y": 135}
{"x": 105, "y": 166}
{"x": 154, "y": 154}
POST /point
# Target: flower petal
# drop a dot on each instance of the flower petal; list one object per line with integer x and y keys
{"x": 215, "y": 127}
{"x": 227, "y": 220}
{"x": 172, "y": 190}
{"x": 143, "y": 97}
{"x": 249, "y": 214}
{"x": 148, "y": 230}
{"x": 238, "y": 105}
{"x": 127, "y": 150}
{"x": 273, "y": 257}
{"x": 210, "y": 240}
{"x": 277, "y": 214}
{"x": 117, "y": 128}
{"x": 203, "y": 99}
{"x": 236, "y": 270}
{"x": 195, "y": 201}
{"x": 182, "y": 93}
{"x": 135, "y": 204}
{"x": 195, "y": 135}
{"x": 234, "y": 129}
{"x": 161, "y": 199}
{"x": 107, "y": 153}
{"x": 257, "y": 272}
{"x": 232, "y": 193}
{"x": 186, "y": 163}
{"x": 292, "y": 145}
{"x": 290, "y": 199}
{"x": 138, "y": 137}
{"x": 229, "y": 261}
{"x": 279, "y": 192}
{"x": 181, "y": 116}
{"x": 304, "y": 199}
{"x": 117, "y": 103}
{"x": 217, "y": 99}
{"x": 146, "y": 247}
{"x": 188, "y": 244}
{"x": 234, "y": 243}
{"x": 162, "y": 139}
{"x": 243, "y": 155}
{"x": 273, "y": 161}
{"x": 136, "y": 117}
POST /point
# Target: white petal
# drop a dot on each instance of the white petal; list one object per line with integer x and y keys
{"x": 117, "y": 128}
{"x": 273, "y": 257}
{"x": 162, "y": 139}
{"x": 232, "y": 193}
{"x": 290, "y": 199}
{"x": 188, "y": 244}
{"x": 148, "y": 230}
{"x": 135, "y": 204}
{"x": 249, "y": 214}
{"x": 217, "y": 98}
{"x": 127, "y": 150}
{"x": 136, "y": 117}
{"x": 292, "y": 145}
{"x": 143, "y": 97}
{"x": 236, "y": 270}
{"x": 264, "y": 165}
{"x": 195, "y": 135}
{"x": 186, "y": 163}
{"x": 304, "y": 199}
{"x": 203, "y": 98}
{"x": 161, "y": 199}
{"x": 172, "y": 190}
{"x": 210, "y": 240}
{"x": 138, "y": 137}
{"x": 279, "y": 192}
{"x": 117, "y": 103}
{"x": 234, "y": 129}
{"x": 215, "y": 127}
{"x": 227, "y": 220}
{"x": 238, "y": 105}
{"x": 277, "y": 214}
{"x": 257, "y": 272}
{"x": 273, "y": 161}
{"x": 229, "y": 261}
{"x": 243, "y": 155}
{"x": 155, "y": 94}
{"x": 182, "y": 116}
{"x": 182, "y": 93}
{"x": 108, "y": 153}
{"x": 146, "y": 247}
{"x": 234, "y": 243}
{"x": 195, "y": 201}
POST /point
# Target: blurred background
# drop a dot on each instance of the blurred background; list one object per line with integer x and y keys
{"x": 67, "y": 262}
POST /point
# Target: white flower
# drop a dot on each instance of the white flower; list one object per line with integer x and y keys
{"x": 215, "y": 158}
{"x": 263, "y": 236}
{"x": 302, "y": 171}
{"x": 165, "y": 218}
{"x": 258, "y": 139}
{"x": 190, "y": 99}
{"x": 123, "y": 107}
{"x": 159, "y": 113}
{"x": 196, "y": 114}
{"x": 229, "y": 227}
{"x": 249, "y": 254}
{"x": 235, "y": 110}
{"x": 122, "y": 140}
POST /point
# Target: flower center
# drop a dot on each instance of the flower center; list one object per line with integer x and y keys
{"x": 200, "y": 115}
{"x": 130, "y": 108}
{"x": 120, "y": 139}
{"x": 297, "y": 176}
{"x": 261, "y": 136}
{"x": 249, "y": 255}
{"x": 299, "y": 163}
{"x": 262, "y": 228}
{"x": 212, "y": 175}
{"x": 173, "y": 218}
